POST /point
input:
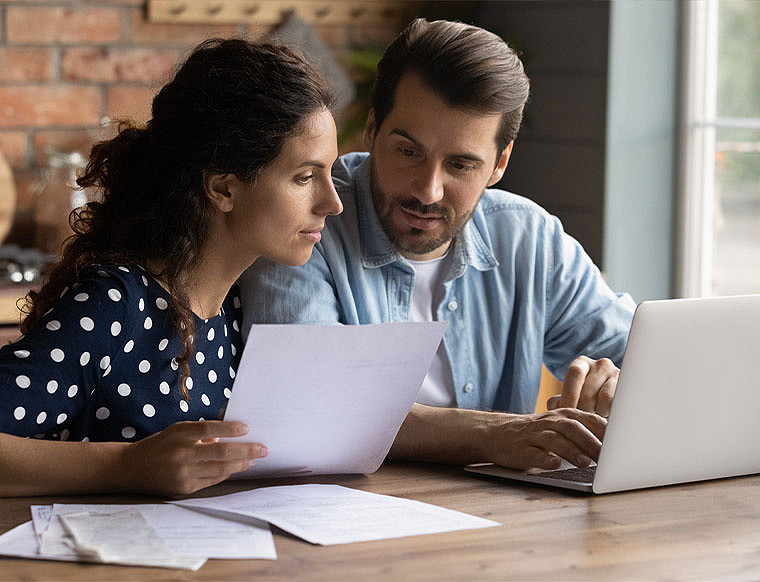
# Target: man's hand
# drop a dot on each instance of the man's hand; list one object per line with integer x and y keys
{"x": 543, "y": 440}
{"x": 589, "y": 385}
{"x": 187, "y": 456}
{"x": 520, "y": 441}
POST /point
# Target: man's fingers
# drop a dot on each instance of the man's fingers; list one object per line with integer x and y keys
{"x": 540, "y": 459}
{"x": 553, "y": 402}
{"x": 574, "y": 431}
{"x": 573, "y": 383}
{"x": 604, "y": 398}
{"x": 556, "y": 443}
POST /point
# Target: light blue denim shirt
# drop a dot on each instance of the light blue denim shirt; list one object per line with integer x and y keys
{"x": 518, "y": 291}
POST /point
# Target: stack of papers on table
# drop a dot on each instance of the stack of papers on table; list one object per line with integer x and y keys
{"x": 184, "y": 534}
{"x": 117, "y": 534}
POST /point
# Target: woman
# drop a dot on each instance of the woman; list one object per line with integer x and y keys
{"x": 130, "y": 348}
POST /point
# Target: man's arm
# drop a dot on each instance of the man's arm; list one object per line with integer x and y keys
{"x": 520, "y": 441}
{"x": 587, "y": 326}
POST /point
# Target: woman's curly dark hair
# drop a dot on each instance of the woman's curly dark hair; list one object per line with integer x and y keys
{"x": 228, "y": 110}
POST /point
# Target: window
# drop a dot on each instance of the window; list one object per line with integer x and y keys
{"x": 719, "y": 251}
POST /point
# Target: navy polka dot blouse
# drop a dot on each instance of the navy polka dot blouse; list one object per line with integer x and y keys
{"x": 100, "y": 366}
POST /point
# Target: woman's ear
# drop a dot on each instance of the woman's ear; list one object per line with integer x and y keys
{"x": 220, "y": 190}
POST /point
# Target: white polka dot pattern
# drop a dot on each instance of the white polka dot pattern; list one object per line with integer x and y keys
{"x": 101, "y": 364}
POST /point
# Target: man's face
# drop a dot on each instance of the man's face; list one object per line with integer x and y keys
{"x": 430, "y": 164}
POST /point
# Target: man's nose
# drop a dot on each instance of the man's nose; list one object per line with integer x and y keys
{"x": 428, "y": 184}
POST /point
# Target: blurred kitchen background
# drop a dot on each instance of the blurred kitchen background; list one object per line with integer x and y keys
{"x": 642, "y": 133}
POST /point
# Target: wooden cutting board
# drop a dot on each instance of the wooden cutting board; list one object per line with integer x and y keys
{"x": 7, "y": 197}
{"x": 9, "y": 293}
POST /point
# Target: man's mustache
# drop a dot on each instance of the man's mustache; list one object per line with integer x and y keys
{"x": 416, "y": 206}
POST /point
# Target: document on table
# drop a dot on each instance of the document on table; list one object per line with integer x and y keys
{"x": 332, "y": 514}
{"x": 329, "y": 398}
{"x": 124, "y": 537}
{"x": 184, "y": 532}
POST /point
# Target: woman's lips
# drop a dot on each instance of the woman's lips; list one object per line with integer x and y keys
{"x": 314, "y": 235}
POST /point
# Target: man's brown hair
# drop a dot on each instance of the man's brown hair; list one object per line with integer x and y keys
{"x": 468, "y": 67}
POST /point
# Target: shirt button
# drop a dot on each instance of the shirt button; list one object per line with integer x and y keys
{"x": 468, "y": 388}
{"x": 452, "y": 306}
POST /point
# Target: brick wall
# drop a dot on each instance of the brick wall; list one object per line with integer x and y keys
{"x": 66, "y": 66}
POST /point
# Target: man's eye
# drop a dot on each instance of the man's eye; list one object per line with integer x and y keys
{"x": 406, "y": 152}
{"x": 461, "y": 167}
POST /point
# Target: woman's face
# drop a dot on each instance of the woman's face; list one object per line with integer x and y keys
{"x": 280, "y": 214}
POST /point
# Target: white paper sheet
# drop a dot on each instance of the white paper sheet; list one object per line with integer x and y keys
{"x": 332, "y": 514}
{"x": 41, "y": 516}
{"x": 184, "y": 532}
{"x": 329, "y": 398}
{"x": 22, "y": 542}
{"x": 124, "y": 537}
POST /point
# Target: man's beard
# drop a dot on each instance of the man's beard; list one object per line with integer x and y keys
{"x": 412, "y": 240}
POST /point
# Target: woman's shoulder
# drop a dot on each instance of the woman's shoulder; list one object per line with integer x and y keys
{"x": 116, "y": 281}
{"x": 116, "y": 291}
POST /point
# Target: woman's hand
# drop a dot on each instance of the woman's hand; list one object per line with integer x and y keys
{"x": 187, "y": 456}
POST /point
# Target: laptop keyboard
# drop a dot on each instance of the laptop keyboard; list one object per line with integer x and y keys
{"x": 585, "y": 475}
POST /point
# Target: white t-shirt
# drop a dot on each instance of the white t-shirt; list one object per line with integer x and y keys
{"x": 438, "y": 387}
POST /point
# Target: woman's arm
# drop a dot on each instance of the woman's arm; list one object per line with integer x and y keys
{"x": 179, "y": 460}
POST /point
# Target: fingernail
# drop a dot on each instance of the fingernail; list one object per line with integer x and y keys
{"x": 252, "y": 463}
{"x": 583, "y": 461}
{"x": 263, "y": 451}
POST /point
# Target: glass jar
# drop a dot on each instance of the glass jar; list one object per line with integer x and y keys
{"x": 57, "y": 196}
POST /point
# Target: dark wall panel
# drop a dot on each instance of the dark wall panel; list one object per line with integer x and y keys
{"x": 559, "y": 156}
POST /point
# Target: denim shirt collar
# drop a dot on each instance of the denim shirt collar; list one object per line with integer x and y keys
{"x": 471, "y": 247}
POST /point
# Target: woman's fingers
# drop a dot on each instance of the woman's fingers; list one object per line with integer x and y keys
{"x": 228, "y": 451}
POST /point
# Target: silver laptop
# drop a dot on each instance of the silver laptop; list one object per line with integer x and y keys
{"x": 686, "y": 404}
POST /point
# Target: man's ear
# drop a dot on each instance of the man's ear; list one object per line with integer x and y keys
{"x": 219, "y": 190}
{"x": 369, "y": 130}
{"x": 501, "y": 164}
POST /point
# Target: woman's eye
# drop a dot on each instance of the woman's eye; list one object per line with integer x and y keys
{"x": 303, "y": 180}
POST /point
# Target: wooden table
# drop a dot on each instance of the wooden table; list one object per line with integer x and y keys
{"x": 704, "y": 531}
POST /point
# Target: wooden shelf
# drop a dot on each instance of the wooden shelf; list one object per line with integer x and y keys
{"x": 272, "y": 12}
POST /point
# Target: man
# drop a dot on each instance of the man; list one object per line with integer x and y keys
{"x": 422, "y": 237}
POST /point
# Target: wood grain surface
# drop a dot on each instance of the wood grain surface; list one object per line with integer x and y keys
{"x": 701, "y": 531}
